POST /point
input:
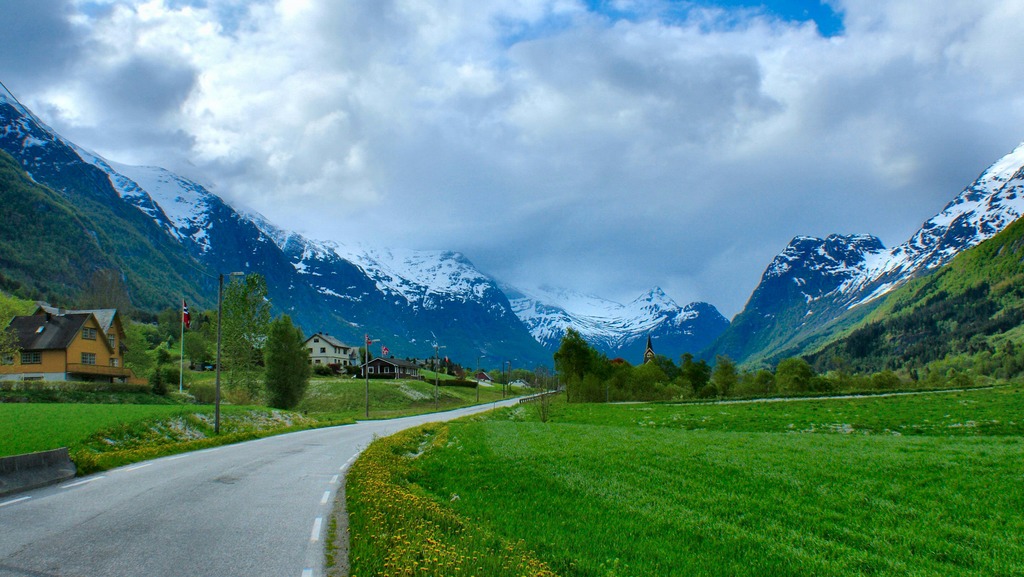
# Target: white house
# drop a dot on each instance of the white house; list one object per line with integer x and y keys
{"x": 327, "y": 350}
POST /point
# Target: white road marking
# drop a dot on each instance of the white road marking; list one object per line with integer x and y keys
{"x": 137, "y": 467}
{"x": 307, "y": 573}
{"x": 316, "y": 529}
{"x": 176, "y": 457}
{"x": 325, "y": 498}
{"x": 334, "y": 480}
{"x": 82, "y": 482}
{"x": 13, "y": 501}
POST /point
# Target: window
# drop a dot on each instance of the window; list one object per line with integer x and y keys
{"x": 323, "y": 350}
{"x": 115, "y": 362}
{"x": 89, "y": 334}
{"x": 88, "y": 358}
{"x": 112, "y": 340}
{"x": 32, "y": 358}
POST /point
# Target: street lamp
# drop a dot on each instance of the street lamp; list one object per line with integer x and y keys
{"x": 437, "y": 369}
{"x": 366, "y": 372}
{"x": 508, "y": 377}
{"x": 477, "y": 377}
{"x": 220, "y": 308}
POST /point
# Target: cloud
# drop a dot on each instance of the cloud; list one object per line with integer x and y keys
{"x": 608, "y": 150}
{"x": 39, "y": 40}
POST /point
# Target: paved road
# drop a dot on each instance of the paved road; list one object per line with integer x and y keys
{"x": 252, "y": 509}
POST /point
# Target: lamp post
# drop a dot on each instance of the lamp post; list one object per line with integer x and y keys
{"x": 437, "y": 370}
{"x": 220, "y": 310}
{"x": 477, "y": 378}
{"x": 366, "y": 372}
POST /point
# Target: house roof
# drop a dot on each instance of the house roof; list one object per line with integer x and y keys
{"x": 329, "y": 340}
{"x": 397, "y": 363}
{"x": 105, "y": 317}
{"x": 47, "y": 332}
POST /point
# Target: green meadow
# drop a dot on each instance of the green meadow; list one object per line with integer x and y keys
{"x": 345, "y": 398}
{"x": 107, "y": 429}
{"x": 32, "y": 427}
{"x": 927, "y": 484}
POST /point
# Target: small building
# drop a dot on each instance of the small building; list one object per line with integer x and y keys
{"x": 327, "y": 350}
{"x": 67, "y": 345}
{"x": 483, "y": 377}
{"x": 381, "y": 368}
{"x": 649, "y": 351}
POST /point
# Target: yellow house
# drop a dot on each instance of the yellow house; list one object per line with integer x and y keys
{"x": 60, "y": 345}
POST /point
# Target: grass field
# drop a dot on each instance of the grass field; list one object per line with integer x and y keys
{"x": 344, "y": 398}
{"x": 94, "y": 432}
{"x": 911, "y": 485}
{"x": 31, "y": 427}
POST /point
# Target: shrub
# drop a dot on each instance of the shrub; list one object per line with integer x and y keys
{"x": 204, "y": 393}
{"x": 708, "y": 391}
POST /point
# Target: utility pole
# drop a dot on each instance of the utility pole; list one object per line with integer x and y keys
{"x": 220, "y": 316}
{"x": 437, "y": 370}
{"x": 366, "y": 372}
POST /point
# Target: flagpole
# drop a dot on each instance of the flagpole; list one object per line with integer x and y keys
{"x": 181, "y": 360}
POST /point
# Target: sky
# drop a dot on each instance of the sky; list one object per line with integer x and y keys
{"x": 604, "y": 146}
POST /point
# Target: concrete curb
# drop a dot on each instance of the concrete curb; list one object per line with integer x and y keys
{"x": 26, "y": 472}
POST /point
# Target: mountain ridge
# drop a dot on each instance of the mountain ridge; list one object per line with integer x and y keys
{"x": 419, "y": 298}
{"x": 847, "y": 274}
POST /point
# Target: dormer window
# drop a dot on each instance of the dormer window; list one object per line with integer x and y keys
{"x": 89, "y": 334}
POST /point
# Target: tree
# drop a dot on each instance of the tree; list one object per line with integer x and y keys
{"x": 793, "y": 375}
{"x": 287, "y": 361}
{"x": 197, "y": 348}
{"x": 575, "y": 359}
{"x": 696, "y": 374}
{"x": 667, "y": 366}
{"x": 724, "y": 375}
{"x": 244, "y": 330}
{"x": 11, "y": 307}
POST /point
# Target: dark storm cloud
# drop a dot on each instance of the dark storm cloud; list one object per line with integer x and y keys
{"x": 39, "y": 42}
{"x": 144, "y": 88}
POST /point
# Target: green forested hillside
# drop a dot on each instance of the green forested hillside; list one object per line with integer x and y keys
{"x": 968, "y": 314}
{"x": 46, "y": 249}
{"x": 81, "y": 252}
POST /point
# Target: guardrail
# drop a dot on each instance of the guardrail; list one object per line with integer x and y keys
{"x": 34, "y": 470}
{"x": 537, "y": 397}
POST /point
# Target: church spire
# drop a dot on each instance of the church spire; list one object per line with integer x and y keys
{"x": 649, "y": 353}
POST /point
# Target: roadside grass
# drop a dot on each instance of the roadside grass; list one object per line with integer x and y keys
{"x": 398, "y": 529}
{"x": 101, "y": 437}
{"x": 910, "y": 485}
{"x": 32, "y": 427}
{"x": 345, "y": 398}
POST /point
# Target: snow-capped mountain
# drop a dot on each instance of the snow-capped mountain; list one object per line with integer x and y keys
{"x": 618, "y": 329}
{"x": 408, "y": 300}
{"x": 815, "y": 282}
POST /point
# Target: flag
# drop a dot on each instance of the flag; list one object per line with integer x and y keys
{"x": 368, "y": 341}
{"x": 384, "y": 351}
{"x": 184, "y": 315}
